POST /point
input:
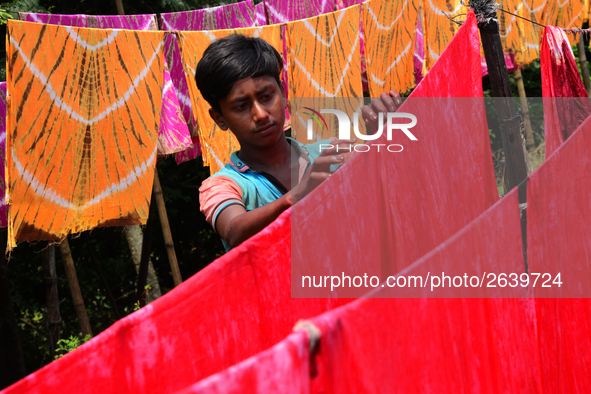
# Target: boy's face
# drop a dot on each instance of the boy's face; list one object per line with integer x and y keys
{"x": 254, "y": 111}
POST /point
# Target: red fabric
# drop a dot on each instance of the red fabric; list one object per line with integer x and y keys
{"x": 284, "y": 368}
{"x": 235, "y": 308}
{"x": 560, "y": 78}
{"x": 558, "y": 237}
{"x": 426, "y": 345}
{"x": 446, "y": 179}
{"x": 382, "y": 211}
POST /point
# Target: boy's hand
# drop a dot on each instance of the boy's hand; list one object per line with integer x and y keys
{"x": 385, "y": 103}
{"x": 320, "y": 169}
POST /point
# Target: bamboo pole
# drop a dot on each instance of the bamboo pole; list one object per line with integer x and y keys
{"x": 529, "y": 134}
{"x": 120, "y": 9}
{"x": 174, "y": 265}
{"x": 54, "y": 318}
{"x": 75, "y": 288}
{"x": 584, "y": 67}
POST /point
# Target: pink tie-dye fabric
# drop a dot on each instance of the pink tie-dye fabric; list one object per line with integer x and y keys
{"x": 229, "y": 16}
{"x": 3, "y": 206}
{"x": 283, "y": 11}
{"x": 419, "y": 56}
{"x": 131, "y": 22}
{"x": 173, "y": 133}
{"x": 261, "y": 15}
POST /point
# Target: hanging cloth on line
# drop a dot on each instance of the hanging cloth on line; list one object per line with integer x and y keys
{"x": 390, "y": 24}
{"x": 439, "y": 29}
{"x": 534, "y": 10}
{"x": 283, "y": 11}
{"x": 451, "y": 345}
{"x": 324, "y": 62}
{"x": 228, "y": 16}
{"x": 217, "y": 145}
{"x": 173, "y": 133}
{"x": 566, "y": 104}
{"x": 233, "y": 309}
{"x": 558, "y": 234}
{"x": 261, "y": 15}
{"x": 3, "y": 206}
{"x": 87, "y": 157}
{"x": 283, "y": 369}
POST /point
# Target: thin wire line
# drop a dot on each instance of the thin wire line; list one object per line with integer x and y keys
{"x": 574, "y": 31}
{"x": 529, "y": 20}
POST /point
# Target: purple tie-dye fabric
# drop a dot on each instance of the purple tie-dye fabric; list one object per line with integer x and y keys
{"x": 173, "y": 134}
{"x": 419, "y": 56}
{"x": 283, "y": 11}
{"x": 131, "y": 22}
{"x": 261, "y": 15}
{"x": 3, "y": 206}
{"x": 229, "y": 16}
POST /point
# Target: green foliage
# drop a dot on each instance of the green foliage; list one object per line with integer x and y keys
{"x": 10, "y": 10}
{"x": 65, "y": 346}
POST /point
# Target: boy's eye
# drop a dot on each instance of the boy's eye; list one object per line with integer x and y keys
{"x": 240, "y": 107}
{"x": 267, "y": 96}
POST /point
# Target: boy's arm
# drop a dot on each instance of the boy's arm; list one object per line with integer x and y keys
{"x": 235, "y": 225}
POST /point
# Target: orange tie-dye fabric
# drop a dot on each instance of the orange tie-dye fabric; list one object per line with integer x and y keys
{"x": 217, "y": 145}
{"x": 82, "y": 126}
{"x": 568, "y": 14}
{"x": 533, "y": 10}
{"x": 511, "y": 28}
{"x": 390, "y": 30}
{"x": 438, "y": 28}
{"x": 324, "y": 62}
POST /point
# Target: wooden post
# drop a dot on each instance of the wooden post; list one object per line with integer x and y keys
{"x": 529, "y": 134}
{"x": 54, "y": 319}
{"x": 75, "y": 288}
{"x": 583, "y": 62}
{"x": 174, "y": 265}
{"x": 120, "y": 9}
{"x": 509, "y": 122}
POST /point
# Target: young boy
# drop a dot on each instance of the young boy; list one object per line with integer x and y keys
{"x": 239, "y": 78}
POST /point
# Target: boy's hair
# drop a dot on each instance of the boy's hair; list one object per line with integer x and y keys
{"x": 232, "y": 58}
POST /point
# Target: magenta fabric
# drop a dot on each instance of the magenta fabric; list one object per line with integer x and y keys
{"x": 233, "y": 309}
{"x": 131, "y": 22}
{"x": 419, "y": 56}
{"x": 3, "y": 206}
{"x": 558, "y": 239}
{"x": 427, "y": 345}
{"x": 560, "y": 78}
{"x": 229, "y": 16}
{"x": 283, "y": 11}
{"x": 285, "y": 368}
{"x": 261, "y": 15}
{"x": 173, "y": 133}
